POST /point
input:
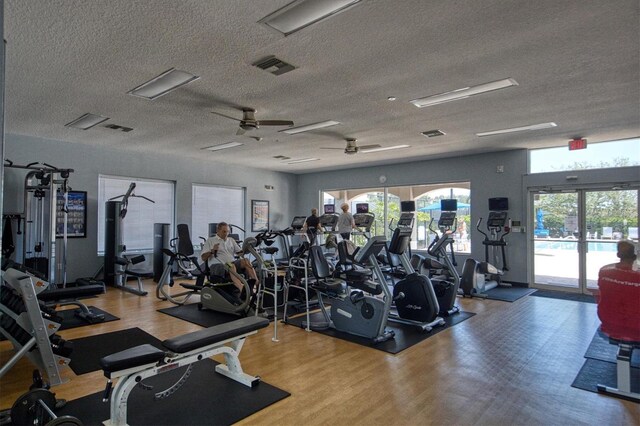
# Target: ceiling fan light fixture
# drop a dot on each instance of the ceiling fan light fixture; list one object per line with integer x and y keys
{"x": 163, "y": 84}
{"x": 302, "y": 13}
{"x": 531, "y": 127}
{"x": 308, "y": 127}
{"x": 223, "y": 146}
{"x": 86, "y": 121}
{"x": 463, "y": 93}
{"x": 384, "y": 148}
{"x": 302, "y": 160}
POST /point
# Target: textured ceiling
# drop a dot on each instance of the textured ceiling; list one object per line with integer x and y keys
{"x": 577, "y": 63}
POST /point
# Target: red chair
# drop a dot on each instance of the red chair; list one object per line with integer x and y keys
{"x": 619, "y": 312}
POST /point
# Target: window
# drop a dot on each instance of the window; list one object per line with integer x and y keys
{"x": 427, "y": 198}
{"x": 622, "y": 153}
{"x": 428, "y": 207}
{"x": 213, "y": 204}
{"x": 137, "y": 226}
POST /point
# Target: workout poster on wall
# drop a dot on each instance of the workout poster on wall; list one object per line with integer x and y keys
{"x": 76, "y": 215}
{"x": 259, "y": 215}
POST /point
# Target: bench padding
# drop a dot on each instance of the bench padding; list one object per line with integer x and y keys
{"x": 217, "y": 333}
{"x": 139, "y": 355}
{"x": 71, "y": 292}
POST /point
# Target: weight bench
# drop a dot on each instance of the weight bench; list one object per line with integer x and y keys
{"x": 623, "y": 366}
{"x": 70, "y": 295}
{"x": 133, "y": 365}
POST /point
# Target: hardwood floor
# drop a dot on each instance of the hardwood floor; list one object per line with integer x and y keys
{"x": 512, "y": 363}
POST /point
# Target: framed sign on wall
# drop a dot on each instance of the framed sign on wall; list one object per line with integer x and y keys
{"x": 259, "y": 215}
{"x": 76, "y": 215}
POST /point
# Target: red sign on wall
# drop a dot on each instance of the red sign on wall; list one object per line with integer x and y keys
{"x": 577, "y": 144}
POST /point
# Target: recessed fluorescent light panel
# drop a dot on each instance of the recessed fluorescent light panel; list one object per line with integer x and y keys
{"x": 463, "y": 93}
{"x": 163, "y": 84}
{"x": 223, "y": 146}
{"x": 302, "y": 13}
{"x": 386, "y": 148}
{"x": 302, "y": 160}
{"x": 86, "y": 121}
{"x": 308, "y": 127}
{"x": 519, "y": 129}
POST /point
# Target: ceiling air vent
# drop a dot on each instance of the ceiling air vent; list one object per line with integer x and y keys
{"x": 117, "y": 127}
{"x": 282, "y": 157}
{"x": 274, "y": 65}
{"x": 433, "y": 133}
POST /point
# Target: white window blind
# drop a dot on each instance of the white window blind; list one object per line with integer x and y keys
{"x": 213, "y": 204}
{"x": 141, "y": 214}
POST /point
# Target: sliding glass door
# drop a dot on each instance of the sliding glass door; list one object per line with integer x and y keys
{"x": 575, "y": 233}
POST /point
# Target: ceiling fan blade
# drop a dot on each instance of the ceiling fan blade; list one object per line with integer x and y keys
{"x": 370, "y": 146}
{"x": 226, "y": 116}
{"x": 241, "y": 131}
{"x": 275, "y": 123}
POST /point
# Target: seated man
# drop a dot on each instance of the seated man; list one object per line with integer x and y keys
{"x": 619, "y": 296}
{"x": 220, "y": 250}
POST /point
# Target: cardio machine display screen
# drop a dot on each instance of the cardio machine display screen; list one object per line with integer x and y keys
{"x": 298, "y": 222}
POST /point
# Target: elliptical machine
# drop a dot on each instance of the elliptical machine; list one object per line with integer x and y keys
{"x": 447, "y": 283}
{"x": 480, "y": 277}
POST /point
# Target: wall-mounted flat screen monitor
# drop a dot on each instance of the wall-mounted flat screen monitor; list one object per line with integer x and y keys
{"x": 362, "y": 208}
{"x": 329, "y": 208}
{"x": 450, "y": 205}
{"x": 407, "y": 206}
{"x": 498, "y": 204}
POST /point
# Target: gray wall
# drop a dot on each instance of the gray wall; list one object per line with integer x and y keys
{"x": 88, "y": 162}
{"x": 480, "y": 170}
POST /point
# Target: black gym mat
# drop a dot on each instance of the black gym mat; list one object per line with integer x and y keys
{"x": 209, "y": 318}
{"x": 204, "y": 318}
{"x": 87, "y": 351}
{"x": 576, "y": 297}
{"x": 405, "y": 337}
{"x": 602, "y": 350}
{"x": 508, "y": 294}
{"x": 595, "y": 372}
{"x": 206, "y": 398}
{"x": 70, "y": 320}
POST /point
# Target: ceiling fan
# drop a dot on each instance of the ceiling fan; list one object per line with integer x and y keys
{"x": 249, "y": 122}
{"x": 353, "y": 148}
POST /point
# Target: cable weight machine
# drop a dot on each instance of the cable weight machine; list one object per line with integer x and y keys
{"x": 43, "y": 183}
{"x": 115, "y": 263}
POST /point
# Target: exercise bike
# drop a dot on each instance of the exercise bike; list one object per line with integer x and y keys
{"x": 352, "y": 311}
{"x": 415, "y": 299}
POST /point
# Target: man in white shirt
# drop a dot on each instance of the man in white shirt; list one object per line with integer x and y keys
{"x": 220, "y": 252}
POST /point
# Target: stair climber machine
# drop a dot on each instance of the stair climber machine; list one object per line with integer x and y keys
{"x": 353, "y": 311}
{"x": 480, "y": 277}
{"x": 414, "y": 297}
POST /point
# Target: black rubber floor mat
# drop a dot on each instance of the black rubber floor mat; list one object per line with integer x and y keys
{"x": 87, "y": 351}
{"x": 70, "y": 320}
{"x": 405, "y": 335}
{"x": 595, "y": 372}
{"x": 206, "y": 398}
{"x": 576, "y": 297}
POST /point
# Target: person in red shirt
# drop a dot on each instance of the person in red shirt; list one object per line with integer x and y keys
{"x": 619, "y": 296}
